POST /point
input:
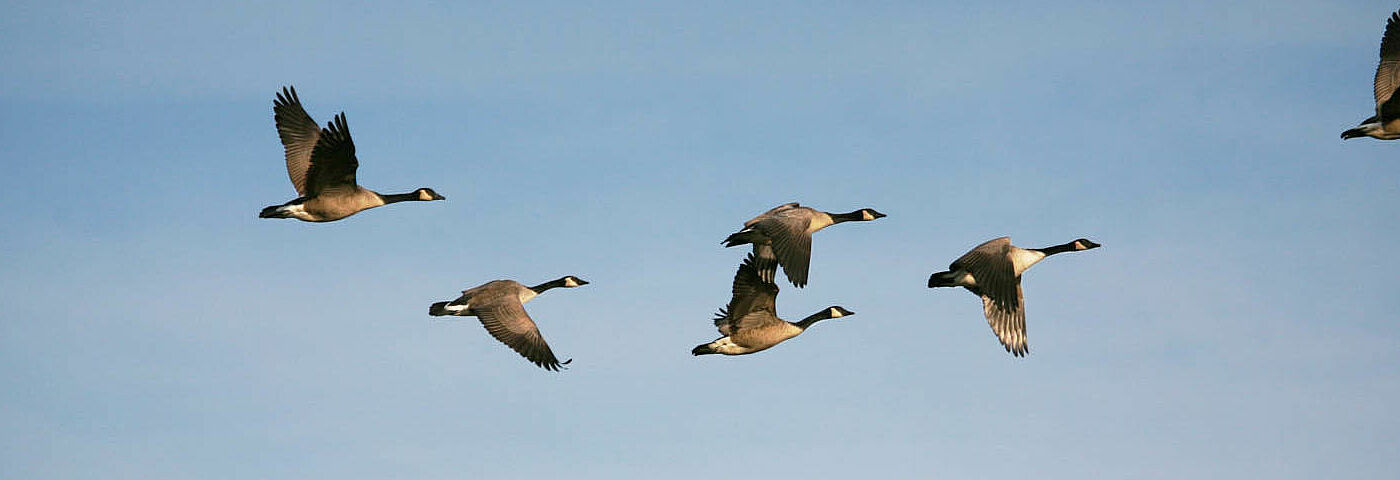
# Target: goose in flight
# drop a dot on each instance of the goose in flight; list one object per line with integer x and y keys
{"x": 321, "y": 163}
{"x": 783, "y": 236}
{"x": 993, "y": 271}
{"x": 750, "y": 321}
{"x": 1385, "y": 124}
{"x": 500, "y": 306}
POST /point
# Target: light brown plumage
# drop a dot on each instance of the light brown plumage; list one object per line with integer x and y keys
{"x": 1385, "y": 124}
{"x": 992, "y": 271}
{"x": 783, "y": 236}
{"x": 321, "y": 164}
{"x": 750, "y": 323}
{"x": 500, "y": 306}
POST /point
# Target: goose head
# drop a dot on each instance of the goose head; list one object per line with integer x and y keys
{"x": 427, "y": 194}
{"x": 570, "y": 281}
{"x": 837, "y": 311}
{"x": 1084, "y": 244}
{"x": 868, "y": 214}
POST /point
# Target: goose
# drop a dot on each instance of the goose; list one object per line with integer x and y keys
{"x": 321, "y": 163}
{"x": 1385, "y": 124}
{"x": 500, "y": 306}
{"x": 783, "y": 236}
{"x": 750, "y": 322}
{"x": 993, "y": 271}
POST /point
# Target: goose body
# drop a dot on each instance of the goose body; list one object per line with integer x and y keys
{"x": 993, "y": 271}
{"x": 750, "y": 322}
{"x": 1385, "y": 124}
{"x": 783, "y": 236}
{"x": 321, "y": 164}
{"x": 500, "y": 306}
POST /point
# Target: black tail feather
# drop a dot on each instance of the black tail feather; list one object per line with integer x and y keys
{"x": 702, "y": 349}
{"x": 740, "y": 237}
{"x": 940, "y": 279}
{"x": 438, "y": 309}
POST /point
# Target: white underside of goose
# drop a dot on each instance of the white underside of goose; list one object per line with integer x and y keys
{"x": 727, "y": 346}
{"x": 297, "y": 211}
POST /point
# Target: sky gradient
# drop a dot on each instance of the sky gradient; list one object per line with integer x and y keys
{"x": 1239, "y": 321}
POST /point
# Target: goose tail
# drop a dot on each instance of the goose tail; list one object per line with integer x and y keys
{"x": 940, "y": 279}
{"x": 747, "y": 235}
{"x": 438, "y": 309}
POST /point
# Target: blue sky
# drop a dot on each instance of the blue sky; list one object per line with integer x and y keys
{"x": 1238, "y": 322}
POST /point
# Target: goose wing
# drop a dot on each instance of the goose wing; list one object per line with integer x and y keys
{"x": 1388, "y": 71}
{"x": 753, "y": 322}
{"x": 791, "y": 243}
{"x": 771, "y": 212}
{"x": 1000, "y": 288}
{"x": 299, "y": 135}
{"x": 333, "y": 161}
{"x": 750, "y": 293}
{"x": 504, "y": 317}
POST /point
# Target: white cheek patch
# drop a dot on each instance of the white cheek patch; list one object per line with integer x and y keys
{"x": 836, "y": 313}
{"x": 864, "y": 215}
{"x": 569, "y": 282}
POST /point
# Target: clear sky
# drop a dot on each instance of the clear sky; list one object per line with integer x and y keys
{"x": 1239, "y": 321}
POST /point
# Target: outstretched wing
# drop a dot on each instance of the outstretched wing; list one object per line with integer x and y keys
{"x": 505, "y": 318}
{"x": 333, "y": 161}
{"x": 1007, "y": 317}
{"x": 995, "y": 274}
{"x": 299, "y": 135}
{"x": 792, "y": 245}
{"x": 750, "y": 294}
{"x": 1388, "y": 71}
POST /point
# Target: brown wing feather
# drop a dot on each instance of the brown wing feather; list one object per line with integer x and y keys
{"x": 333, "y": 161}
{"x": 750, "y": 293}
{"x": 299, "y": 135}
{"x": 1000, "y": 288}
{"x": 506, "y": 320}
{"x": 1008, "y": 321}
{"x": 791, "y": 244}
{"x": 1388, "y": 71}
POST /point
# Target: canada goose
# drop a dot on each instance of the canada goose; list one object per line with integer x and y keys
{"x": 783, "y": 236}
{"x": 993, "y": 271}
{"x": 750, "y": 322}
{"x": 1385, "y": 124}
{"x": 500, "y": 306}
{"x": 321, "y": 163}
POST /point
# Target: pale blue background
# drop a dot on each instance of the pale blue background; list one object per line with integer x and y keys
{"x": 1239, "y": 322}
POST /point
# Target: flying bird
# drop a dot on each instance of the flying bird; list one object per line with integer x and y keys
{"x": 750, "y": 321}
{"x": 321, "y": 164}
{"x": 993, "y": 271}
{"x": 783, "y": 236}
{"x": 1385, "y": 124}
{"x": 500, "y": 306}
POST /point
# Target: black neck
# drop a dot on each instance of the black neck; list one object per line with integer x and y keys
{"x": 547, "y": 285}
{"x": 400, "y": 197}
{"x": 813, "y": 318}
{"x": 855, "y": 216}
{"x": 1068, "y": 247}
